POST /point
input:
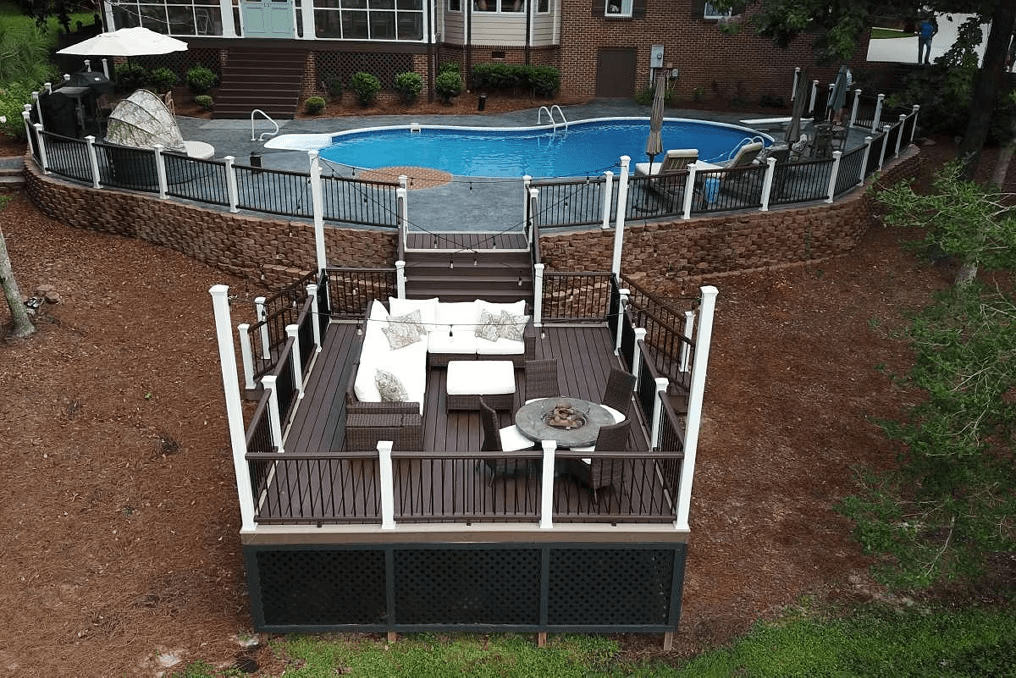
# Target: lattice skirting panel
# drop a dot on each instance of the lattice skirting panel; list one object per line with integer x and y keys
{"x": 510, "y": 587}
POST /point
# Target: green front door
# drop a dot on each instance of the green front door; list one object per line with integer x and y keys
{"x": 268, "y": 18}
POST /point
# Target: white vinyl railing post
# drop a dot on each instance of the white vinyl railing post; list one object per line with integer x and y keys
{"x": 608, "y": 195}
{"x": 899, "y": 135}
{"x": 864, "y": 160}
{"x": 43, "y": 160}
{"x": 160, "y": 171}
{"x": 400, "y": 279}
{"x": 261, "y": 313}
{"x": 837, "y": 156}
{"x": 689, "y": 329}
{"x": 526, "y": 183}
{"x": 885, "y": 139}
{"x": 312, "y": 290}
{"x": 274, "y": 415}
{"x": 105, "y": 67}
{"x": 534, "y": 209}
{"x": 878, "y": 113}
{"x": 387, "y": 478}
{"x": 234, "y": 410}
{"x": 636, "y": 353}
{"x": 231, "y": 187}
{"x": 246, "y": 355}
{"x": 661, "y": 392}
{"x": 317, "y": 199}
{"x": 402, "y": 205}
{"x": 293, "y": 332}
{"x": 797, "y": 79}
{"x": 853, "y": 108}
{"x": 538, "y": 294}
{"x": 547, "y": 488}
{"x": 623, "y": 293}
{"x": 622, "y": 193}
{"x": 913, "y": 127}
{"x": 93, "y": 161}
{"x": 27, "y": 117}
{"x": 693, "y": 420}
{"x": 767, "y": 183}
{"x": 689, "y": 190}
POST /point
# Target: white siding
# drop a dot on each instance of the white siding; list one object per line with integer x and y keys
{"x": 543, "y": 30}
{"x": 494, "y": 29}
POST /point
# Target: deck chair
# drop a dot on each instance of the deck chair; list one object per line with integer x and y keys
{"x": 617, "y": 394}
{"x": 497, "y": 438}
{"x": 674, "y": 161}
{"x": 541, "y": 380}
{"x": 712, "y": 184}
{"x": 599, "y": 473}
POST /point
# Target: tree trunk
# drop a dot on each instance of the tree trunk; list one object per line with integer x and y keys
{"x": 983, "y": 104}
{"x": 22, "y": 325}
{"x": 1004, "y": 160}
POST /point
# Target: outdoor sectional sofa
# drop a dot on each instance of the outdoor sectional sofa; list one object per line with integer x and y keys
{"x": 387, "y": 386}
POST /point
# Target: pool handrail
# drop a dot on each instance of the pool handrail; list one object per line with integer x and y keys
{"x": 550, "y": 115}
{"x": 268, "y": 118}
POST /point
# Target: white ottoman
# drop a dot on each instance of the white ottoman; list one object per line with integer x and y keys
{"x": 468, "y": 381}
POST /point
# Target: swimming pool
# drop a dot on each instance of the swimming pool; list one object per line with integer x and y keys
{"x": 586, "y": 147}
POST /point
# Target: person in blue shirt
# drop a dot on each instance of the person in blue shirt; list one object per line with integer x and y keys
{"x": 926, "y": 30}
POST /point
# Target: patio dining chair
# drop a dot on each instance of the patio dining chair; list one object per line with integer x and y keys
{"x": 541, "y": 380}
{"x": 599, "y": 473}
{"x": 617, "y": 394}
{"x": 502, "y": 439}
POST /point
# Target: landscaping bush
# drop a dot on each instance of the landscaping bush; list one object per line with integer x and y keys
{"x": 539, "y": 80}
{"x": 543, "y": 80}
{"x": 366, "y": 87}
{"x": 409, "y": 85}
{"x": 129, "y": 77}
{"x": 204, "y": 101}
{"x": 448, "y": 85}
{"x": 25, "y": 55}
{"x": 162, "y": 79}
{"x": 450, "y": 67}
{"x": 314, "y": 105}
{"x": 334, "y": 88}
{"x": 13, "y": 97}
{"x": 200, "y": 80}
{"x": 494, "y": 77}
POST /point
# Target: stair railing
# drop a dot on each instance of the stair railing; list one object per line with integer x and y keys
{"x": 269, "y": 119}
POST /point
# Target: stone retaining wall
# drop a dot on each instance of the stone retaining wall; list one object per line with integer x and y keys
{"x": 677, "y": 254}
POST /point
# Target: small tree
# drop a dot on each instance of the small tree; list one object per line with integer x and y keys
{"x": 409, "y": 85}
{"x": 22, "y": 325}
{"x": 448, "y": 85}
{"x": 366, "y": 87}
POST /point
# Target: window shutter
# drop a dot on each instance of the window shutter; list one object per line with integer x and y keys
{"x": 638, "y": 9}
{"x": 599, "y": 8}
{"x": 698, "y": 8}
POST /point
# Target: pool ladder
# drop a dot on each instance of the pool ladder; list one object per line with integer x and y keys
{"x": 550, "y": 116}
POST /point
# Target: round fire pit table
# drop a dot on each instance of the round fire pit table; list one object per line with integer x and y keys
{"x": 548, "y": 419}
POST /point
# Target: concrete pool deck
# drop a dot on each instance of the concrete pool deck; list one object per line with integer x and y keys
{"x": 468, "y": 204}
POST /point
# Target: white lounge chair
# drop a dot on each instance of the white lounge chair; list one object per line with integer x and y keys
{"x": 746, "y": 155}
{"x": 674, "y": 161}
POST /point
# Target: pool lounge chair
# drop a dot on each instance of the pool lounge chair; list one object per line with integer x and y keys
{"x": 746, "y": 155}
{"x": 674, "y": 161}
{"x": 712, "y": 183}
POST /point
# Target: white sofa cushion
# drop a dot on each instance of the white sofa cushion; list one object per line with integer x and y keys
{"x": 427, "y": 308}
{"x": 452, "y": 339}
{"x": 500, "y": 347}
{"x": 375, "y": 347}
{"x": 457, "y": 313}
{"x": 515, "y": 307}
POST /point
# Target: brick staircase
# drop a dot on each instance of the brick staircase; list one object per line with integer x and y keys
{"x": 473, "y": 273}
{"x": 12, "y": 172}
{"x": 258, "y": 78}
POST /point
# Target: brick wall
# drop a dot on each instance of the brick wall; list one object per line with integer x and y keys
{"x": 675, "y": 254}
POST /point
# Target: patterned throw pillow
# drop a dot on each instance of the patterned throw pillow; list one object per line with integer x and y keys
{"x": 512, "y": 326}
{"x": 403, "y": 330}
{"x": 390, "y": 387}
{"x": 489, "y": 327}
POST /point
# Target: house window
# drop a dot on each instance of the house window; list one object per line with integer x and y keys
{"x": 710, "y": 12}
{"x": 508, "y": 6}
{"x": 175, "y": 17}
{"x": 619, "y": 8}
{"x": 543, "y": 6}
{"x": 454, "y": 5}
{"x": 369, "y": 19}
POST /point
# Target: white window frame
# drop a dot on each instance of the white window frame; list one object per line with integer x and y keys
{"x": 625, "y": 7}
{"x": 709, "y": 12}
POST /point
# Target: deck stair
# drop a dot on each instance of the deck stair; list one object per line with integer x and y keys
{"x": 250, "y": 80}
{"x": 12, "y": 172}
{"x": 467, "y": 266}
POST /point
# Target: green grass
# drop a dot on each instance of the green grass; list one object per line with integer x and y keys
{"x": 872, "y": 640}
{"x": 12, "y": 19}
{"x": 888, "y": 33}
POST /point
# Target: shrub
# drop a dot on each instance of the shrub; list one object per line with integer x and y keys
{"x": 25, "y": 55}
{"x": 409, "y": 85}
{"x": 314, "y": 105}
{"x": 366, "y": 87}
{"x": 13, "y": 97}
{"x": 204, "y": 101}
{"x": 334, "y": 87}
{"x": 539, "y": 80}
{"x": 448, "y": 85}
{"x": 200, "y": 80}
{"x": 450, "y": 67}
{"x": 492, "y": 77}
{"x": 162, "y": 79}
{"x": 543, "y": 80}
{"x": 129, "y": 77}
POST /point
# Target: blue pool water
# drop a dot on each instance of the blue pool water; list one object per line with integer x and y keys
{"x": 585, "y": 148}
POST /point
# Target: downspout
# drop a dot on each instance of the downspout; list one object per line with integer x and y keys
{"x": 529, "y": 30}
{"x": 467, "y": 76}
{"x": 432, "y": 50}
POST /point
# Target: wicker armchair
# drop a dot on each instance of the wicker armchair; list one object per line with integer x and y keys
{"x": 368, "y": 423}
{"x": 492, "y": 442}
{"x": 541, "y": 380}
{"x": 617, "y": 395}
{"x": 600, "y": 473}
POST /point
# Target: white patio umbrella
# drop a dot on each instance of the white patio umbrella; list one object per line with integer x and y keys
{"x": 654, "y": 143}
{"x": 126, "y": 42}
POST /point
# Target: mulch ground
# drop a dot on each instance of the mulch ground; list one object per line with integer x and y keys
{"x": 119, "y": 504}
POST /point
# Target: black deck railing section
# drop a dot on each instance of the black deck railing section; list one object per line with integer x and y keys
{"x": 196, "y": 179}
{"x": 800, "y": 182}
{"x": 285, "y": 385}
{"x": 656, "y": 196}
{"x": 850, "y": 170}
{"x": 572, "y": 202}
{"x": 290, "y": 296}
{"x": 669, "y": 348}
{"x": 571, "y": 297}
{"x": 68, "y": 157}
{"x": 126, "y": 167}
{"x": 259, "y": 434}
{"x": 729, "y": 189}
{"x": 373, "y": 203}
{"x": 273, "y": 191}
{"x": 350, "y": 290}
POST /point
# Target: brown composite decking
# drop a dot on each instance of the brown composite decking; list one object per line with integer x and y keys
{"x": 505, "y": 240}
{"x": 447, "y": 481}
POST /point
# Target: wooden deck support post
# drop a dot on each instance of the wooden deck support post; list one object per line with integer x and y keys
{"x": 541, "y": 639}
{"x": 547, "y": 498}
{"x": 622, "y": 207}
{"x": 608, "y": 189}
{"x": 234, "y": 411}
{"x": 668, "y": 641}
{"x": 833, "y": 175}
{"x": 93, "y": 161}
{"x": 384, "y": 451}
{"x": 317, "y": 201}
{"x": 693, "y": 421}
{"x": 853, "y": 109}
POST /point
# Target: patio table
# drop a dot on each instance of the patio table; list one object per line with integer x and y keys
{"x": 532, "y": 421}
